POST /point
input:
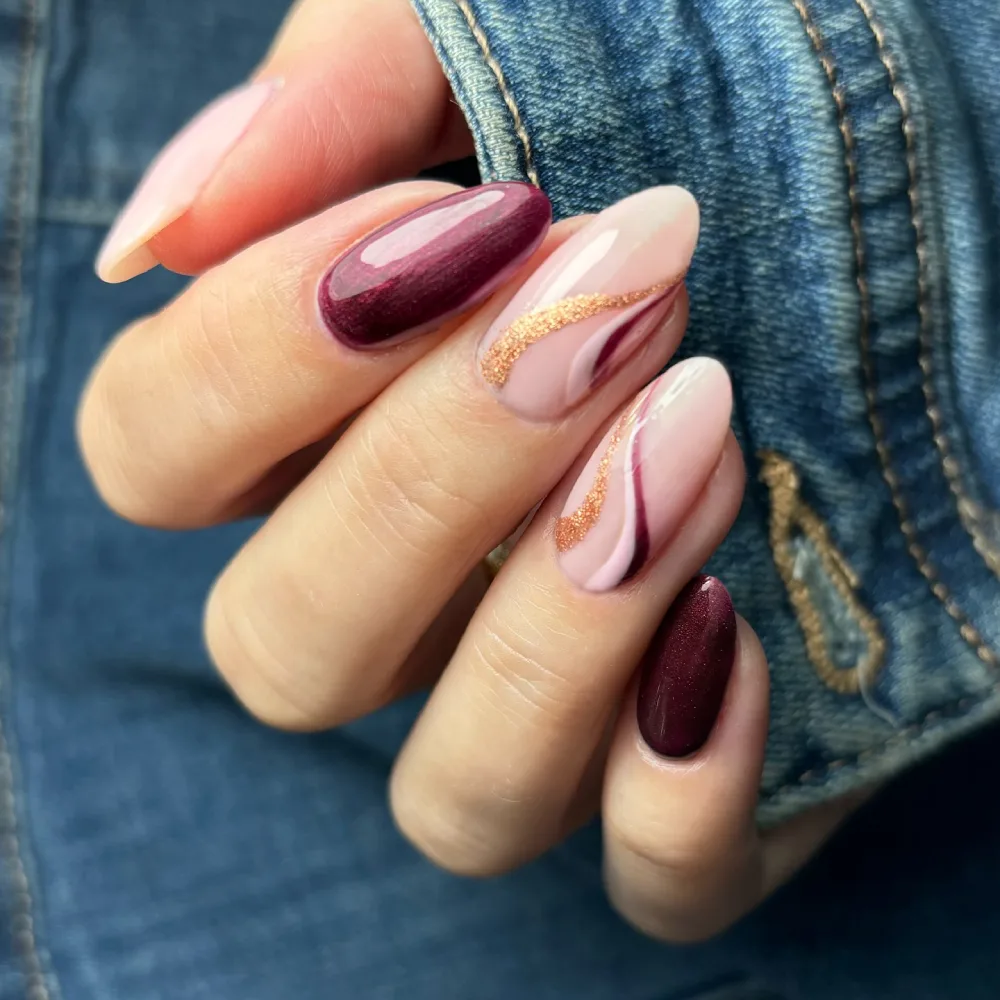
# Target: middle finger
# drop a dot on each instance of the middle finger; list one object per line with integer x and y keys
{"x": 313, "y": 618}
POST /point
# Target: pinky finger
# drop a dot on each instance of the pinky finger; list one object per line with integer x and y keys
{"x": 683, "y": 856}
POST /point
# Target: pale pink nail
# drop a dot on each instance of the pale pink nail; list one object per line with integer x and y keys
{"x": 645, "y": 475}
{"x": 591, "y": 304}
{"x": 176, "y": 178}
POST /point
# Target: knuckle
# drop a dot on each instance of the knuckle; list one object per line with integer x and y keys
{"x": 409, "y": 486}
{"x": 265, "y": 682}
{"x": 523, "y": 685}
{"x": 447, "y": 831}
{"x": 675, "y": 846}
{"x": 168, "y": 388}
{"x": 119, "y": 462}
{"x": 203, "y": 350}
{"x": 680, "y": 883}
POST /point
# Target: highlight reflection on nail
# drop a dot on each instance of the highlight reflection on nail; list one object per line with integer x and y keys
{"x": 644, "y": 476}
{"x": 409, "y": 276}
{"x": 591, "y": 305}
{"x": 686, "y": 669}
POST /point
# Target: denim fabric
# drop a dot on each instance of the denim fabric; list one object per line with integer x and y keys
{"x": 157, "y": 844}
{"x": 846, "y": 155}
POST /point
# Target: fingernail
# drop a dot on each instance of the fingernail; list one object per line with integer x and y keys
{"x": 687, "y": 668}
{"x": 407, "y": 277}
{"x": 644, "y": 476}
{"x": 176, "y": 178}
{"x": 591, "y": 304}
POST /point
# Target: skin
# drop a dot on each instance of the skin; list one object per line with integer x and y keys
{"x": 363, "y": 583}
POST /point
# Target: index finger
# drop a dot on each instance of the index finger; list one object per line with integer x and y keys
{"x": 351, "y": 96}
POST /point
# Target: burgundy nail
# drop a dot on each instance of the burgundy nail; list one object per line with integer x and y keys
{"x": 407, "y": 277}
{"x": 686, "y": 669}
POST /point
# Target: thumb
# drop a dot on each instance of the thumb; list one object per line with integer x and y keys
{"x": 350, "y": 96}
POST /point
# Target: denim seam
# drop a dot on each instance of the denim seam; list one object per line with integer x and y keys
{"x": 78, "y": 212}
{"x": 22, "y": 906}
{"x": 919, "y": 554}
{"x": 951, "y": 710}
{"x": 968, "y": 511}
{"x": 505, "y": 92}
{"x": 789, "y": 510}
{"x": 966, "y": 629}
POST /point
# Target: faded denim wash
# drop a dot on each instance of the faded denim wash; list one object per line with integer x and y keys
{"x": 846, "y": 155}
{"x": 157, "y": 844}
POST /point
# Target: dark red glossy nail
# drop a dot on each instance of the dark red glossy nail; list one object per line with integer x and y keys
{"x": 687, "y": 668}
{"x": 407, "y": 277}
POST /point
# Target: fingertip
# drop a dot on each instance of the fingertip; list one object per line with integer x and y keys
{"x": 363, "y": 103}
{"x": 678, "y": 723}
{"x": 177, "y": 177}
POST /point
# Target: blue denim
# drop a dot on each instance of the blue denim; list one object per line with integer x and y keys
{"x": 157, "y": 844}
{"x": 846, "y": 155}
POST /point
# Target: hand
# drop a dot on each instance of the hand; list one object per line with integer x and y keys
{"x": 401, "y": 412}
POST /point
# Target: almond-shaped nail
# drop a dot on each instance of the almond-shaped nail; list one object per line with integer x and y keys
{"x": 645, "y": 475}
{"x": 176, "y": 177}
{"x": 591, "y": 305}
{"x": 407, "y": 277}
{"x": 686, "y": 669}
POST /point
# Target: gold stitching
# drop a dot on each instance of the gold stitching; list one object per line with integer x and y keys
{"x": 968, "y": 510}
{"x": 939, "y": 590}
{"x": 508, "y": 97}
{"x": 789, "y": 511}
{"x": 927, "y": 569}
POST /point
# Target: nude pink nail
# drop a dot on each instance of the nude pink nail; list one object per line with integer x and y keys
{"x": 176, "y": 178}
{"x": 591, "y": 305}
{"x": 645, "y": 475}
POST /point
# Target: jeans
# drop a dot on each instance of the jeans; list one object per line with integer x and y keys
{"x": 846, "y": 156}
{"x": 157, "y": 844}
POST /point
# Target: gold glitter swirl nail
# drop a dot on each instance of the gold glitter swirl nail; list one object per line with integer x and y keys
{"x": 572, "y": 528}
{"x": 499, "y": 358}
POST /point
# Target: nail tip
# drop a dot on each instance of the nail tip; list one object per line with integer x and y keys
{"x": 116, "y": 268}
{"x": 176, "y": 178}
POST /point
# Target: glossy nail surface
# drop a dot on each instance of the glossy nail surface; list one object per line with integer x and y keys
{"x": 591, "y": 305}
{"x": 176, "y": 178}
{"x": 644, "y": 476}
{"x": 407, "y": 277}
{"x": 687, "y": 668}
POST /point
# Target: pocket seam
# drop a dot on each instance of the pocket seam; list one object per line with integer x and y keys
{"x": 788, "y": 509}
{"x": 505, "y": 92}
{"x": 22, "y": 906}
{"x": 969, "y": 633}
{"x": 950, "y": 466}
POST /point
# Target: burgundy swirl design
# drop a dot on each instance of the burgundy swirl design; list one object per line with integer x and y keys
{"x": 591, "y": 305}
{"x": 639, "y": 484}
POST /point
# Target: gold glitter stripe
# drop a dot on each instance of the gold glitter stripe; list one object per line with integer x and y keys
{"x": 499, "y": 358}
{"x": 571, "y": 529}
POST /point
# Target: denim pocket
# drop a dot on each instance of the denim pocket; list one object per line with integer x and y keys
{"x": 842, "y": 277}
